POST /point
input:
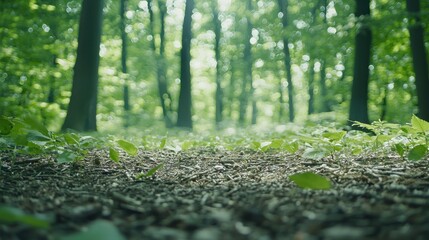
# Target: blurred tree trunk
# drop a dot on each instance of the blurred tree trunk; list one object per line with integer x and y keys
{"x": 283, "y": 5}
{"x": 359, "y": 100}
{"x": 164, "y": 95}
{"x": 219, "y": 90}
{"x": 323, "y": 90}
{"x": 311, "y": 87}
{"x": 231, "y": 90}
{"x": 184, "y": 117}
{"x": 126, "y": 94}
{"x": 420, "y": 63}
{"x": 247, "y": 88}
{"x": 81, "y": 113}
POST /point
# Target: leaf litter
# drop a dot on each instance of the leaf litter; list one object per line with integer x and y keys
{"x": 206, "y": 194}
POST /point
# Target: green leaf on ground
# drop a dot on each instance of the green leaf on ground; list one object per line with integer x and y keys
{"x": 291, "y": 147}
{"x": 99, "y": 229}
{"x": 11, "y": 215}
{"x": 315, "y": 153}
{"x": 114, "y": 154}
{"x": 419, "y": 124}
{"x": 5, "y": 126}
{"x": 334, "y": 136}
{"x": 151, "y": 172}
{"x": 163, "y": 142}
{"x": 67, "y": 157}
{"x": 311, "y": 181}
{"x": 417, "y": 152}
{"x": 128, "y": 147}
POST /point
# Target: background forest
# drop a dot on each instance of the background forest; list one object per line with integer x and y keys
{"x": 250, "y": 62}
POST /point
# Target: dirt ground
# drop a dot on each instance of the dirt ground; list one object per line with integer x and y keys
{"x": 208, "y": 194}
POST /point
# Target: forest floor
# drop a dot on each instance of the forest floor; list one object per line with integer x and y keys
{"x": 207, "y": 194}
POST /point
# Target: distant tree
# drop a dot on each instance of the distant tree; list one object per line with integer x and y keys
{"x": 126, "y": 94}
{"x": 247, "y": 85}
{"x": 81, "y": 113}
{"x": 219, "y": 91}
{"x": 184, "y": 115}
{"x": 283, "y": 5}
{"x": 420, "y": 63}
{"x": 359, "y": 101}
{"x": 164, "y": 95}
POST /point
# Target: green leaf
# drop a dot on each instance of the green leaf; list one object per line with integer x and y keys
{"x": 315, "y": 153}
{"x": 5, "y": 126}
{"x": 311, "y": 181}
{"x": 11, "y": 215}
{"x": 265, "y": 146}
{"x": 128, "y": 147}
{"x": 99, "y": 229}
{"x": 417, "y": 152}
{"x": 334, "y": 136}
{"x": 291, "y": 147}
{"x": 35, "y": 125}
{"x": 277, "y": 143}
{"x": 163, "y": 142}
{"x": 149, "y": 173}
{"x": 34, "y": 135}
{"x": 400, "y": 149}
{"x": 187, "y": 145}
{"x": 67, "y": 157}
{"x": 419, "y": 124}
{"x": 114, "y": 154}
{"x": 71, "y": 138}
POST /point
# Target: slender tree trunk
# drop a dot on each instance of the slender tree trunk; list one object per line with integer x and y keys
{"x": 126, "y": 94}
{"x": 247, "y": 88}
{"x": 359, "y": 100}
{"x": 184, "y": 117}
{"x": 311, "y": 87}
{"x": 219, "y": 90}
{"x": 283, "y": 5}
{"x": 231, "y": 90}
{"x": 384, "y": 104}
{"x": 164, "y": 95}
{"x": 281, "y": 96}
{"x": 420, "y": 63}
{"x": 323, "y": 90}
{"x": 81, "y": 113}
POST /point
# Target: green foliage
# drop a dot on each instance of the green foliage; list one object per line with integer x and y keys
{"x": 11, "y": 215}
{"x": 98, "y": 229}
{"x": 150, "y": 173}
{"x": 311, "y": 181}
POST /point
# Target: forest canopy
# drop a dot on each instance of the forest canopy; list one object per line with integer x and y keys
{"x": 215, "y": 63}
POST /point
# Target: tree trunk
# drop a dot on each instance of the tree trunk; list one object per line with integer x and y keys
{"x": 81, "y": 113}
{"x": 359, "y": 99}
{"x": 248, "y": 62}
{"x": 164, "y": 95}
{"x": 311, "y": 87}
{"x": 283, "y": 5}
{"x": 323, "y": 90}
{"x": 219, "y": 90}
{"x": 184, "y": 117}
{"x": 420, "y": 63}
{"x": 126, "y": 94}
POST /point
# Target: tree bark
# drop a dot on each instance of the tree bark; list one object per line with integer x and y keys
{"x": 219, "y": 90}
{"x": 247, "y": 88}
{"x": 184, "y": 117}
{"x": 164, "y": 95}
{"x": 283, "y": 5}
{"x": 311, "y": 87}
{"x": 126, "y": 94}
{"x": 420, "y": 63}
{"x": 81, "y": 113}
{"x": 359, "y": 100}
